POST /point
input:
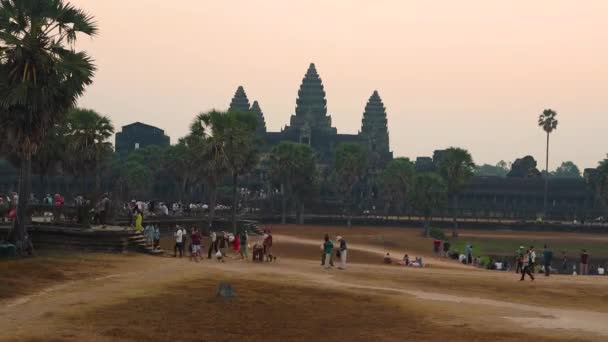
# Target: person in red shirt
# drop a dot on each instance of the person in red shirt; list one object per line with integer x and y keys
{"x": 196, "y": 244}
{"x": 436, "y": 246}
{"x": 584, "y": 262}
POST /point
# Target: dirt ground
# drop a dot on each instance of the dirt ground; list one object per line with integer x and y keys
{"x": 95, "y": 297}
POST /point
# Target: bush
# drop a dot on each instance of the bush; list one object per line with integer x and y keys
{"x": 437, "y": 233}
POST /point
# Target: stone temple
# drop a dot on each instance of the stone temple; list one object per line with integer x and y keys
{"x": 311, "y": 124}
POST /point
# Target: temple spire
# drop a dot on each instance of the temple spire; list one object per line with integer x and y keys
{"x": 259, "y": 115}
{"x": 311, "y": 106}
{"x": 374, "y": 130}
{"x": 240, "y": 102}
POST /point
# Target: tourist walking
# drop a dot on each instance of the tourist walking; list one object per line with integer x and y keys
{"x": 529, "y": 259}
{"x": 328, "y": 248}
{"x": 196, "y": 244}
{"x": 469, "y": 253}
{"x": 519, "y": 260}
{"x": 222, "y": 241}
{"x": 547, "y": 258}
{"x": 446, "y": 247}
{"x": 236, "y": 244}
{"x": 584, "y": 270}
{"x": 138, "y": 221}
{"x": 268, "y": 245}
{"x": 212, "y": 244}
{"x": 343, "y": 252}
{"x": 179, "y": 242}
{"x": 243, "y": 251}
{"x": 156, "y": 237}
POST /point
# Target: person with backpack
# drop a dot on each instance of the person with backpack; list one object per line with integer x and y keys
{"x": 519, "y": 260}
{"x": 547, "y": 258}
{"x": 343, "y": 252}
{"x": 529, "y": 259}
{"x": 328, "y": 248}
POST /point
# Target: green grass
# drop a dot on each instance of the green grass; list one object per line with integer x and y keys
{"x": 507, "y": 247}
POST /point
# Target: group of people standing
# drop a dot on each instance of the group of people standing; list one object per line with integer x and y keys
{"x": 219, "y": 242}
{"x": 328, "y": 251}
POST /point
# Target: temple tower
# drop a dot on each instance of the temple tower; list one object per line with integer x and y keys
{"x": 311, "y": 107}
{"x": 259, "y": 115}
{"x": 374, "y": 130}
{"x": 240, "y": 102}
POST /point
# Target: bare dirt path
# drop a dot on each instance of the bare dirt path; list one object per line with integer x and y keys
{"x": 146, "y": 276}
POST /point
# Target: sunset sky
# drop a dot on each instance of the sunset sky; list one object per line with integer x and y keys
{"x": 473, "y": 74}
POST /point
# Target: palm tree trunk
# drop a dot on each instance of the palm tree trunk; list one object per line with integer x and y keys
{"x": 454, "y": 216}
{"x": 427, "y": 225}
{"x": 234, "y": 186}
{"x": 283, "y": 205}
{"x": 212, "y": 202}
{"x": 546, "y": 179}
{"x": 301, "y": 213}
{"x": 20, "y": 228}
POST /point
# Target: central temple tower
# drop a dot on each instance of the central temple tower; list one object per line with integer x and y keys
{"x": 311, "y": 119}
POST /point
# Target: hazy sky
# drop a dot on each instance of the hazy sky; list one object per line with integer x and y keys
{"x": 473, "y": 74}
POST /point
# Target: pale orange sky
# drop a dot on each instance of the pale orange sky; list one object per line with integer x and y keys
{"x": 473, "y": 74}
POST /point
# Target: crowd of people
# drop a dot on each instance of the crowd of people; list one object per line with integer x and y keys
{"x": 220, "y": 243}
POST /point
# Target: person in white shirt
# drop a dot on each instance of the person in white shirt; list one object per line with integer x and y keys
{"x": 179, "y": 242}
{"x": 529, "y": 259}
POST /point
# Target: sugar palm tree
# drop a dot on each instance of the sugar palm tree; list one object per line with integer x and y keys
{"x": 548, "y": 122}
{"x": 428, "y": 192}
{"x": 87, "y": 134}
{"x": 234, "y": 135}
{"x": 456, "y": 167}
{"x": 212, "y": 160}
{"x": 395, "y": 181}
{"x": 349, "y": 170}
{"x": 41, "y": 77}
{"x": 293, "y": 166}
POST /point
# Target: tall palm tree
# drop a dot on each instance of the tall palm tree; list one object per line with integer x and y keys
{"x": 41, "y": 77}
{"x": 428, "y": 192}
{"x": 349, "y": 170}
{"x": 456, "y": 167}
{"x": 234, "y": 135}
{"x": 212, "y": 160}
{"x": 548, "y": 122}
{"x": 293, "y": 166}
{"x": 396, "y": 180}
{"x": 87, "y": 134}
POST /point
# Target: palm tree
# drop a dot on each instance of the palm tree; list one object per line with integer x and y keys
{"x": 548, "y": 123}
{"x": 428, "y": 192}
{"x": 212, "y": 160}
{"x": 349, "y": 171}
{"x": 87, "y": 134}
{"x": 456, "y": 167}
{"x": 234, "y": 135}
{"x": 396, "y": 180}
{"x": 41, "y": 77}
{"x": 293, "y": 166}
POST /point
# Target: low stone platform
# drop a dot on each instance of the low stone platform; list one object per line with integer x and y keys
{"x": 113, "y": 239}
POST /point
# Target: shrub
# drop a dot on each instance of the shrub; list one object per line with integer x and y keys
{"x": 437, "y": 233}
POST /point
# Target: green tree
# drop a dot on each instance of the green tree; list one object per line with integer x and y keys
{"x": 183, "y": 161}
{"x": 349, "y": 171}
{"x": 234, "y": 133}
{"x": 567, "y": 170}
{"x": 428, "y": 193}
{"x": 548, "y": 123}
{"x": 395, "y": 182}
{"x": 499, "y": 170}
{"x": 456, "y": 168}
{"x": 293, "y": 166}
{"x": 212, "y": 166}
{"x": 600, "y": 181}
{"x": 87, "y": 134}
{"x": 41, "y": 77}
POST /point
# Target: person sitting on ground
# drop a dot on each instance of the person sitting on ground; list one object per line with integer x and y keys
{"x": 387, "y": 259}
{"x": 446, "y": 248}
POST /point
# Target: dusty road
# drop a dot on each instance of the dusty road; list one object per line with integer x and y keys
{"x": 144, "y": 297}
